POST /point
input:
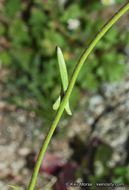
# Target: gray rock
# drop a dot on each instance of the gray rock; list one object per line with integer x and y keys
{"x": 112, "y": 124}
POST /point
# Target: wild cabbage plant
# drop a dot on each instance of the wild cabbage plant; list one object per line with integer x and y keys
{"x": 67, "y": 87}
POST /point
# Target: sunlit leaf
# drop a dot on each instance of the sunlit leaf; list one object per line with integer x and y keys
{"x": 62, "y": 68}
{"x": 64, "y": 80}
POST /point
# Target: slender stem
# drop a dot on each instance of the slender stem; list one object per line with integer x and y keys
{"x": 82, "y": 60}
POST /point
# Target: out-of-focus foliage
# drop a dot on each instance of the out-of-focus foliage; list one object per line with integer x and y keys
{"x": 121, "y": 175}
{"x": 33, "y": 29}
{"x": 30, "y": 30}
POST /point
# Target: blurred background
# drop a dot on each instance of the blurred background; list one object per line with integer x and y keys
{"x": 92, "y": 145}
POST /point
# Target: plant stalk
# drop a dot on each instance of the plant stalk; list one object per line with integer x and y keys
{"x": 79, "y": 65}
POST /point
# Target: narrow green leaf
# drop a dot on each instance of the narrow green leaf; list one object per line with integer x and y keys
{"x": 64, "y": 79}
{"x": 62, "y": 68}
{"x": 57, "y": 103}
{"x": 14, "y": 187}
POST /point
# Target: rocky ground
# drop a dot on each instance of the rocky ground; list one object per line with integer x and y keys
{"x": 20, "y": 141}
{"x": 105, "y": 117}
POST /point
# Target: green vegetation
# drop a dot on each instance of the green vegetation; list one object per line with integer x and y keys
{"x": 32, "y": 31}
{"x": 66, "y": 97}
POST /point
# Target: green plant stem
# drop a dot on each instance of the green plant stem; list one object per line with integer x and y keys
{"x": 82, "y": 60}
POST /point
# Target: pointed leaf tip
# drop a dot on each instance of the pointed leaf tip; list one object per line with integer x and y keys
{"x": 67, "y": 109}
{"x": 57, "y": 103}
{"x": 62, "y": 68}
{"x": 64, "y": 80}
